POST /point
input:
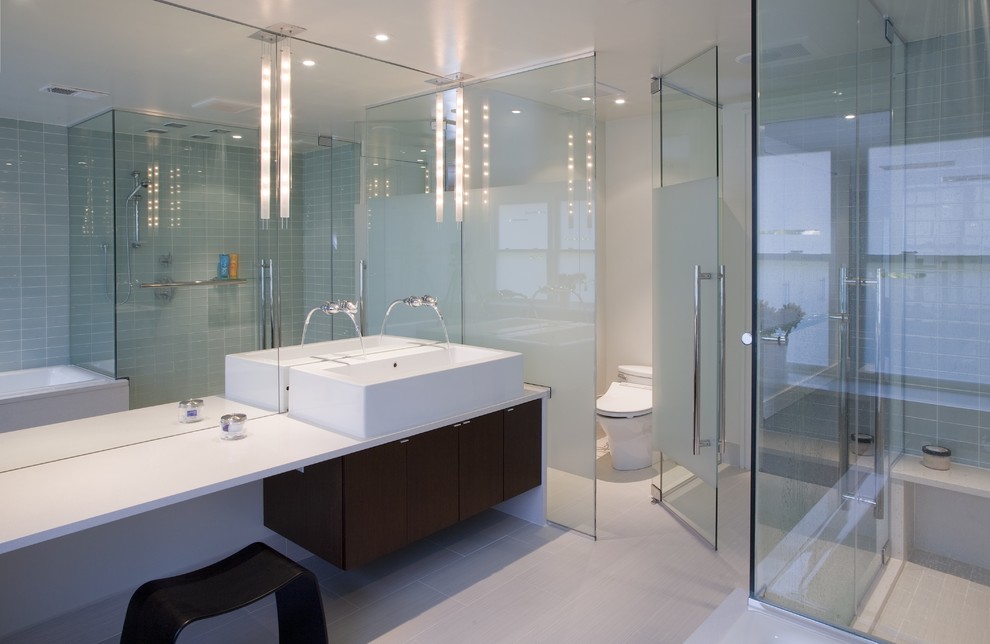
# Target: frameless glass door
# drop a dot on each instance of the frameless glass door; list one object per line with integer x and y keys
{"x": 827, "y": 284}
{"x": 689, "y": 295}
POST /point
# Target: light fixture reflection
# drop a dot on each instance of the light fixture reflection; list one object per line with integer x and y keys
{"x": 284, "y": 130}
{"x": 459, "y": 159}
{"x": 265, "y": 140}
{"x": 439, "y": 142}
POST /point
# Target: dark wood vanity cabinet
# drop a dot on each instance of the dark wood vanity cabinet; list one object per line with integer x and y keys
{"x": 431, "y": 482}
{"x": 356, "y": 508}
{"x": 480, "y": 443}
{"x": 522, "y": 451}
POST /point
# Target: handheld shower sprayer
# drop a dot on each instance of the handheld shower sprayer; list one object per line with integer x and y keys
{"x": 139, "y": 183}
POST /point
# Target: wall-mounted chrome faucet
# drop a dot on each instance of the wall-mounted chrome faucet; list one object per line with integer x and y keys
{"x": 416, "y": 301}
{"x": 332, "y": 307}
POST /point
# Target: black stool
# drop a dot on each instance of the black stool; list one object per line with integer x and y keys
{"x": 160, "y": 609}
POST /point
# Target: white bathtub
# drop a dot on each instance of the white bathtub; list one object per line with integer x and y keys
{"x": 46, "y": 395}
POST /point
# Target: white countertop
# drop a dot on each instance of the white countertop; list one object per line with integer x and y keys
{"x": 60, "y": 497}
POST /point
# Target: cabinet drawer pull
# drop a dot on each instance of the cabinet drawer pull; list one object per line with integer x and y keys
{"x": 404, "y": 440}
{"x": 511, "y": 409}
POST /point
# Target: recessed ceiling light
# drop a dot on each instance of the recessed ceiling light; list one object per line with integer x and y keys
{"x": 308, "y": 62}
{"x": 620, "y": 101}
{"x": 235, "y": 136}
{"x": 850, "y": 117}
{"x": 381, "y": 37}
{"x": 517, "y": 111}
{"x": 585, "y": 98}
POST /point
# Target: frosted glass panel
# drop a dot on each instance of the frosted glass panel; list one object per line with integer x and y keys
{"x": 408, "y": 252}
{"x": 529, "y": 269}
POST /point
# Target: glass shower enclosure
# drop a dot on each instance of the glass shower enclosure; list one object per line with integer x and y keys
{"x": 869, "y": 146}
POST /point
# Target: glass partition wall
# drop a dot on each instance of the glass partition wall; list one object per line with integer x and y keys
{"x": 518, "y": 272}
{"x": 870, "y": 155}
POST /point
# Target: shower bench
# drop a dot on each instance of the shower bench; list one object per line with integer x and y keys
{"x": 931, "y": 502}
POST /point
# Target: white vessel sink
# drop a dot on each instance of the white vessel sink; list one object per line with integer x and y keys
{"x": 389, "y": 392}
{"x": 261, "y": 378}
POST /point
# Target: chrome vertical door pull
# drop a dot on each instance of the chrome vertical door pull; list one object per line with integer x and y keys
{"x": 268, "y": 324}
{"x": 696, "y": 425}
{"x": 721, "y": 361}
{"x": 362, "y": 276}
{"x": 263, "y": 305}
{"x": 879, "y": 446}
{"x": 696, "y": 442}
{"x": 843, "y": 355}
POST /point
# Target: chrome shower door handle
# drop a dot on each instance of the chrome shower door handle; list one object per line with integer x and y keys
{"x": 696, "y": 424}
{"x": 362, "y": 285}
{"x": 879, "y": 446}
{"x": 721, "y": 359}
{"x": 263, "y": 308}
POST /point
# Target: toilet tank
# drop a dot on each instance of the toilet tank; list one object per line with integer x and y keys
{"x": 637, "y": 374}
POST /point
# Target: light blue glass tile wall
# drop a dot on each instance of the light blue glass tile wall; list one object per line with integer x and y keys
{"x": 91, "y": 235}
{"x": 34, "y": 245}
{"x": 202, "y": 201}
{"x": 330, "y": 189}
{"x": 946, "y": 232}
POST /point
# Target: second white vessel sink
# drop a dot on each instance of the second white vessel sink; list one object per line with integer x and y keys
{"x": 388, "y": 392}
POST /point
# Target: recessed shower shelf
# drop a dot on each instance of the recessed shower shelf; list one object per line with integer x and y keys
{"x": 210, "y": 282}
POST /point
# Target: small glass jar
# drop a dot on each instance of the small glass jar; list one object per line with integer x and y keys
{"x": 232, "y": 426}
{"x": 191, "y": 411}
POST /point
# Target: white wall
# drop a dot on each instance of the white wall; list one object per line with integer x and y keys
{"x": 627, "y": 296}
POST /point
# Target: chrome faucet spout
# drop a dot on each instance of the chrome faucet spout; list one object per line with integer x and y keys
{"x": 416, "y": 301}
{"x": 332, "y": 307}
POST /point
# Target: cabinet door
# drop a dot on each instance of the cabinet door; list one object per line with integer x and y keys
{"x": 305, "y": 507}
{"x": 431, "y": 482}
{"x": 374, "y": 503}
{"x": 480, "y": 463}
{"x": 523, "y": 447}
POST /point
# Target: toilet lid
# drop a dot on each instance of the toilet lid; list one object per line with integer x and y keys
{"x": 640, "y": 371}
{"x": 626, "y": 400}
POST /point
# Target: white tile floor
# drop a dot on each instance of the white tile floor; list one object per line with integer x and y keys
{"x": 934, "y": 607}
{"x": 495, "y": 578}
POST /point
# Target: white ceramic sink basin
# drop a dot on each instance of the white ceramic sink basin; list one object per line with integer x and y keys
{"x": 386, "y": 393}
{"x": 261, "y": 378}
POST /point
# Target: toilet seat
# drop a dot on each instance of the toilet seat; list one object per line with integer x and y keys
{"x": 625, "y": 400}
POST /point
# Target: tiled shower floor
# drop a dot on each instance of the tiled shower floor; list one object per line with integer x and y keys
{"x": 936, "y": 600}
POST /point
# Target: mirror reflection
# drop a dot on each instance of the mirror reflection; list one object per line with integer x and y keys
{"x": 136, "y": 257}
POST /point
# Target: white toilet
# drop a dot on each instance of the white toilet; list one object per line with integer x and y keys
{"x": 625, "y": 414}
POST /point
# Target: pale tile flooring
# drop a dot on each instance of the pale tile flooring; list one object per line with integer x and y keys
{"x": 932, "y": 606}
{"x": 496, "y": 578}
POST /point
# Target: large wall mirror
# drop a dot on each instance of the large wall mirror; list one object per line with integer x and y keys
{"x": 127, "y": 170}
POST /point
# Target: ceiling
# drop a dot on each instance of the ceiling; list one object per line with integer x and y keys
{"x": 634, "y": 39}
{"x": 156, "y": 56}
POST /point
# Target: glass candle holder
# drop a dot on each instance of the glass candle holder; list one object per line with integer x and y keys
{"x": 232, "y": 426}
{"x": 191, "y": 411}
